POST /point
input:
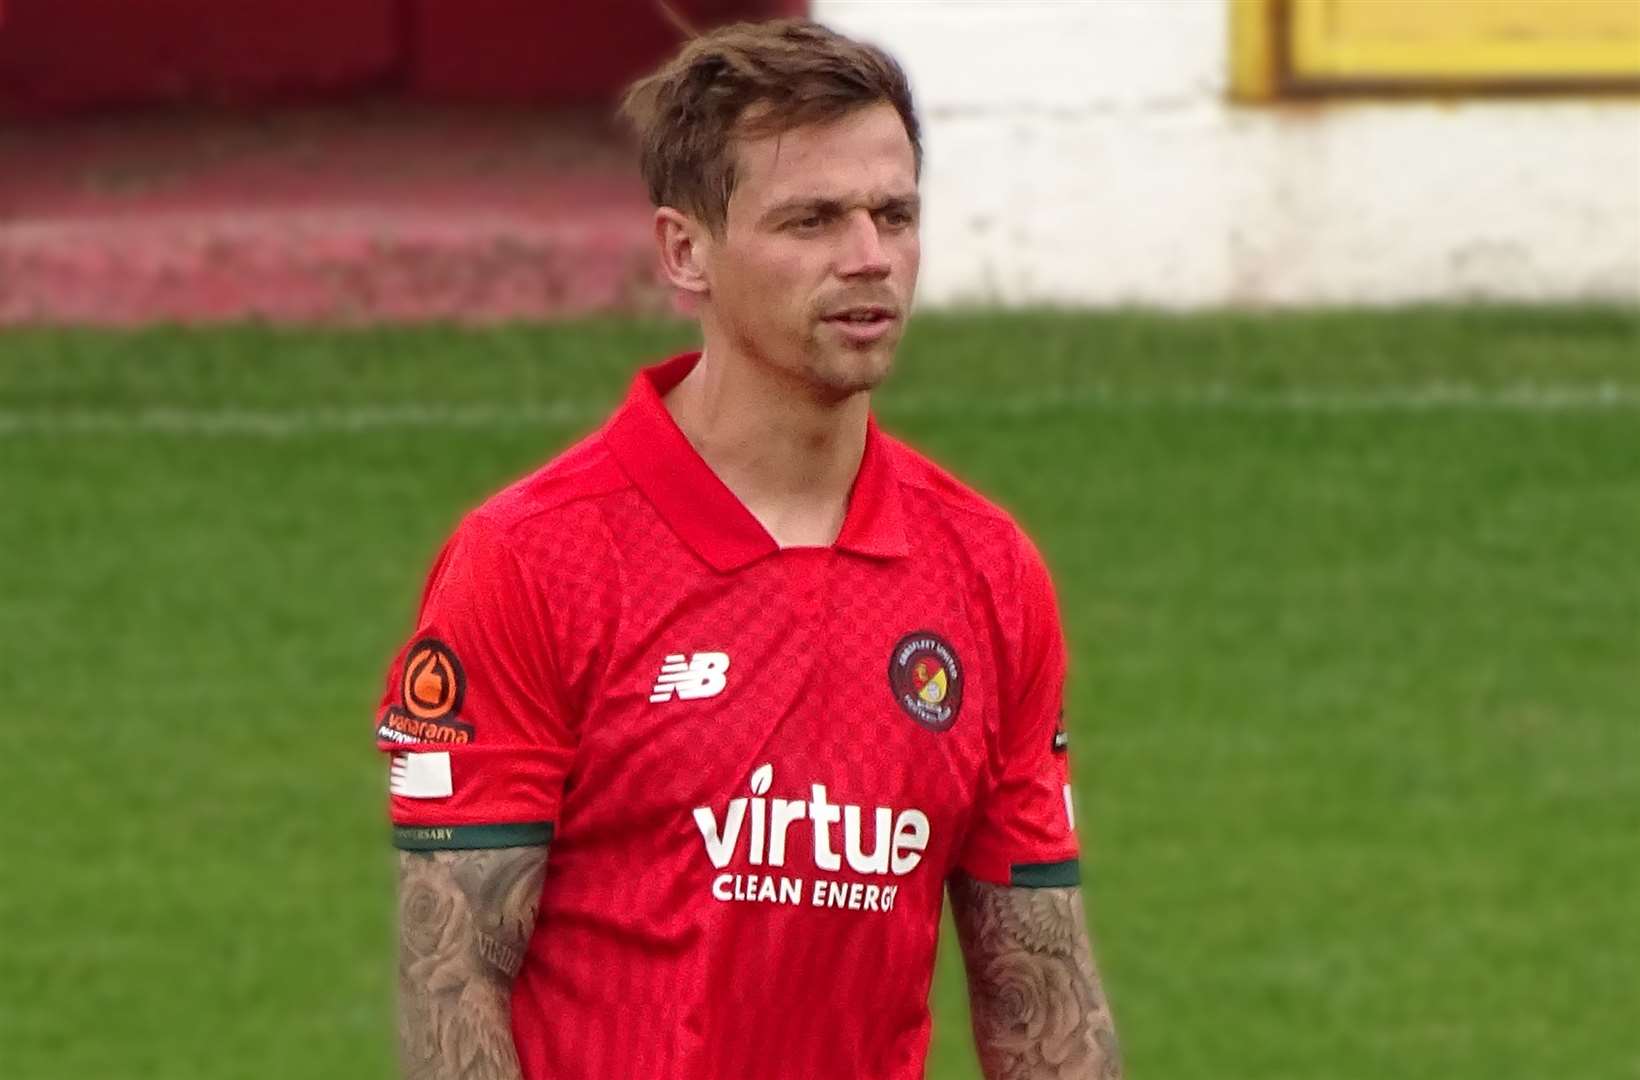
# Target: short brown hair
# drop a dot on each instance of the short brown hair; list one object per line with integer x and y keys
{"x": 750, "y": 79}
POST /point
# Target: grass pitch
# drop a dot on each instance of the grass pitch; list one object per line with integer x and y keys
{"x": 1352, "y": 601}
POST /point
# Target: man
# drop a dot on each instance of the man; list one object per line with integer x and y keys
{"x": 761, "y": 679}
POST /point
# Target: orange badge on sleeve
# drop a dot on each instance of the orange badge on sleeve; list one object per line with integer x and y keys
{"x": 431, "y": 691}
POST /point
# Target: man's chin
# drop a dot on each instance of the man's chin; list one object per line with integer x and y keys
{"x": 857, "y": 372}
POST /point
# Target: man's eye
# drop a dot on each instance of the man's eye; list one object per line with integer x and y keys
{"x": 898, "y": 218}
{"x": 813, "y": 221}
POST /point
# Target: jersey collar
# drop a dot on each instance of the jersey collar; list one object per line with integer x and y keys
{"x": 706, "y": 515}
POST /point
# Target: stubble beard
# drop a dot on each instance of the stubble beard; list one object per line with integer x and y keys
{"x": 837, "y": 372}
{"x": 831, "y": 371}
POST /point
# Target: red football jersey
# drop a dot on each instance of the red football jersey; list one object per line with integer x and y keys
{"x": 756, "y": 766}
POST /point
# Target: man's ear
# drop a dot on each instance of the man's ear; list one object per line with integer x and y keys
{"x": 685, "y": 245}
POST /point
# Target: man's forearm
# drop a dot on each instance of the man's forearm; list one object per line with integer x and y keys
{"x": 465, "y": 920}
{"x": 1038, "y": 1008}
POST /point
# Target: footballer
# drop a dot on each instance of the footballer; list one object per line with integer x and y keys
{"x": 700, "y": 723}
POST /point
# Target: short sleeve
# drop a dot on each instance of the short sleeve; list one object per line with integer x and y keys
{"x": 1024, "y": 833}
{"x": 471, "y": 715}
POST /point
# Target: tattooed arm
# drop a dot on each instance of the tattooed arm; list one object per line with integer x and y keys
{"x": 1038, "y": 1008}
{"x": 465, "y": 919}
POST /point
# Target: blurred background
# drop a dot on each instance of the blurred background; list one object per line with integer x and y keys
{"x": 1304, "y": 336}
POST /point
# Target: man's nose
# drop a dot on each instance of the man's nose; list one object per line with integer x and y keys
{"x": 863, "y": 251}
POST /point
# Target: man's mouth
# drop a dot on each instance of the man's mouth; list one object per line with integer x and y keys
{"x": 865, "y": 315}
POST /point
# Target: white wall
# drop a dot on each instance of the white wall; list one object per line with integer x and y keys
{"x": 1086, "y": 152}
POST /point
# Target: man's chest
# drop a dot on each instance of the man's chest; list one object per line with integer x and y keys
{"x": 816, "y": 711}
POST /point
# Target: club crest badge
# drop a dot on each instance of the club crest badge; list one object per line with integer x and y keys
{"x": 926, "y": 678}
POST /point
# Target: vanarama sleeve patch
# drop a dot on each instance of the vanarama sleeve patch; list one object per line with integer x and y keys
{"x": 431, "y": 692}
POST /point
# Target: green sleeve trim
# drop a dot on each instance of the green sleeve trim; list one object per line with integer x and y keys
{"x": 1045, "y": 875}
{"x": 465, "y": 837}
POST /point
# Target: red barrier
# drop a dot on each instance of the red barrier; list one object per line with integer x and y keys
{"x": 61, "y": 55}
{"x": 524, "y": 50}
{"x": 58, "y": 55}
{"x": 527, "y": 50}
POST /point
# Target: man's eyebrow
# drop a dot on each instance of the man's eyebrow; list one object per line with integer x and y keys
{"x": 831, "y": 207}
{"x": 813, "y": 206}
{"x": 912, "y": 202}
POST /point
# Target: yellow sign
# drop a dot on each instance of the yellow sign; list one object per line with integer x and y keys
{"x": 1304, "y": 47}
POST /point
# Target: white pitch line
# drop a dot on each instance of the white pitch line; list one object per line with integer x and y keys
{"x": 285, "y": 423}
{"x": 1435, "y": 396}
{"x": 289, "y": 423}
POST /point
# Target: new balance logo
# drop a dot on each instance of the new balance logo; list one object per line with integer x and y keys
{"x": 691, "y": 677}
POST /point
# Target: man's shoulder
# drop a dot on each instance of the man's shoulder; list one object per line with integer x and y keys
{"x": 926, "y": 482}
{"x": 995, "y": 547}
{"x": 562, "y": 490}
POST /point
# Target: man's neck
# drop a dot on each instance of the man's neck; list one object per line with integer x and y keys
{"x": 790, "y": 458}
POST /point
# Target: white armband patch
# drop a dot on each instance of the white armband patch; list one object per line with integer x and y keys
{"x": 421, "y": 776}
